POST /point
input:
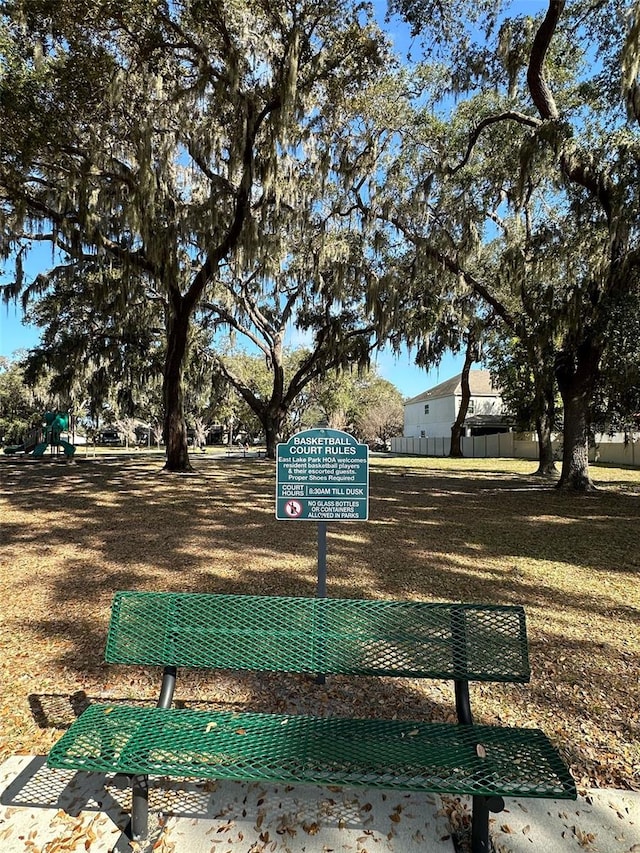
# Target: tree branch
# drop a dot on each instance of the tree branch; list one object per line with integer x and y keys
{"x": 474, "y": 136}
{"x": 229, "y": 319}
{"x": 242, "y": 203}
{"x": 540, "y": 92}
{"x": 575, "y": 167}
{"x": 453, "y": 266}
{"x": 241, "y": 387}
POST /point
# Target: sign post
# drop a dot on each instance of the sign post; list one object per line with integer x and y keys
{"x": 322, "y": 560}
{"x": 322, "y": 475}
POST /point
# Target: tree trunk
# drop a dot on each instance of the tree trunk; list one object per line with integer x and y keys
{"x": 271, "y": 437}
{"x": 545, "y": 417}
{"x": 455, "y": 450}
{"x": 175, "y": 430}
{"x": 577, "y": 373}
{"x": 276, "y": 410}
{"x": 575, "y": 453}
{"x": 541, "y": 363}
{"x": 272, "y": 425}
{"x": 546, "y": 464}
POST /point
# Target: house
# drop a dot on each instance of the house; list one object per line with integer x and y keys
{"x": 432, "y": 413}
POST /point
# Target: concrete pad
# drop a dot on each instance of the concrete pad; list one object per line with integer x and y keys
{"x": 604, "y": 821}
{"x": 58, "y": 811}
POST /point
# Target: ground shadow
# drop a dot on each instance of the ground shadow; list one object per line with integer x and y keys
{"x": 74, "y": 534}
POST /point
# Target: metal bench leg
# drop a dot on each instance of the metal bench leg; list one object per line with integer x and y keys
{"x": 139, "y": 826}
{"x": 139, "y": 807}
{"x": 480, "y": 842}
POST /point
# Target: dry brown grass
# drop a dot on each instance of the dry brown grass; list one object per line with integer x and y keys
{"x": 470, "y": 530}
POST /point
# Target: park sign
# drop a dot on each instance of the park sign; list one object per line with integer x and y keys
{"x": 322, "y": 475}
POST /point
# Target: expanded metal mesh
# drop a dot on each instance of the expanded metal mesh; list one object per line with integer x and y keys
{"x": 331, "y": 751}
{"x": 332, "y": 636}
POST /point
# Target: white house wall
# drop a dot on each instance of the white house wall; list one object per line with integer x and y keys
{"x": 442, "y": 413}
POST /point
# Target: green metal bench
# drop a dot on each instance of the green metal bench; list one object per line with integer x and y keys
{"x": 329, "y": 636}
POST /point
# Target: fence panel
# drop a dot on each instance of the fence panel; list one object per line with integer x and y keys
{"x": 505, "y": 445}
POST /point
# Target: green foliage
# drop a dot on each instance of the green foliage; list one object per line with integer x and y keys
{"x": 189, "y": 143}
{"x": 508, "y": 361}
{"x": 529, "y": 199}
{"x": 358, "y": 401}
{"x": 617, "y": 397}
{"x": 102, "y": 341}
{"x": 20, "y": 406}
{"x": 268, "y": 169}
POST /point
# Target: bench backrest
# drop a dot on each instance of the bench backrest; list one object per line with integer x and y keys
{"x": 330, "y": 636}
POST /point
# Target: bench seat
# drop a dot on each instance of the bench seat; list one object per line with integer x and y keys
{"x": 317, "y": 637}
{"x": 390, "y": 754}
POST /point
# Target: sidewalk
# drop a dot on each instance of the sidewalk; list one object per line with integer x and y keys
{"x": 605, "y": 821}
{"x": 56, "y": 811}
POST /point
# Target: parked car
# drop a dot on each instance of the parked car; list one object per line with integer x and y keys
{"x": 110, "y": 438}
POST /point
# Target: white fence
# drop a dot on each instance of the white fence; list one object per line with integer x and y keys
{"x": 508, "y": 445}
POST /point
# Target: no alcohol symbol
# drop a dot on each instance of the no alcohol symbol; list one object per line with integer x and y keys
{"x": 293, "y": 509}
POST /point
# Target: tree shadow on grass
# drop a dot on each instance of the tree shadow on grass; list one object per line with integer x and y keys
{"x": 116, "y": 525}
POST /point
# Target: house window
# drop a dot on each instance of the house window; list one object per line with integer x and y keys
{"x": 472, "y": 407}
{"x": 426, "y": 408}
{"x": 423, "y": 434}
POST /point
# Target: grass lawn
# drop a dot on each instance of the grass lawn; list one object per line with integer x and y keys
{"x": 467, "y": 530}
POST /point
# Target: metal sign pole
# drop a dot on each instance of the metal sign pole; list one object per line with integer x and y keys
{"x": 322, "y": 560}
{"x": 321, "y": 591}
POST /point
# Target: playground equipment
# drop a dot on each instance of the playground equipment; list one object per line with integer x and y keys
{"x": 37, "y": 441}
{"x": 28, "y": 445}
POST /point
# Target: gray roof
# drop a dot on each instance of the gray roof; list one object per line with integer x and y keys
{"x": 479, "y": 383}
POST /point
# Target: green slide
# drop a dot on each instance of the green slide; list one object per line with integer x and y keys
{"x": 69, "y": 449}
{"x": 28, "y": 445}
